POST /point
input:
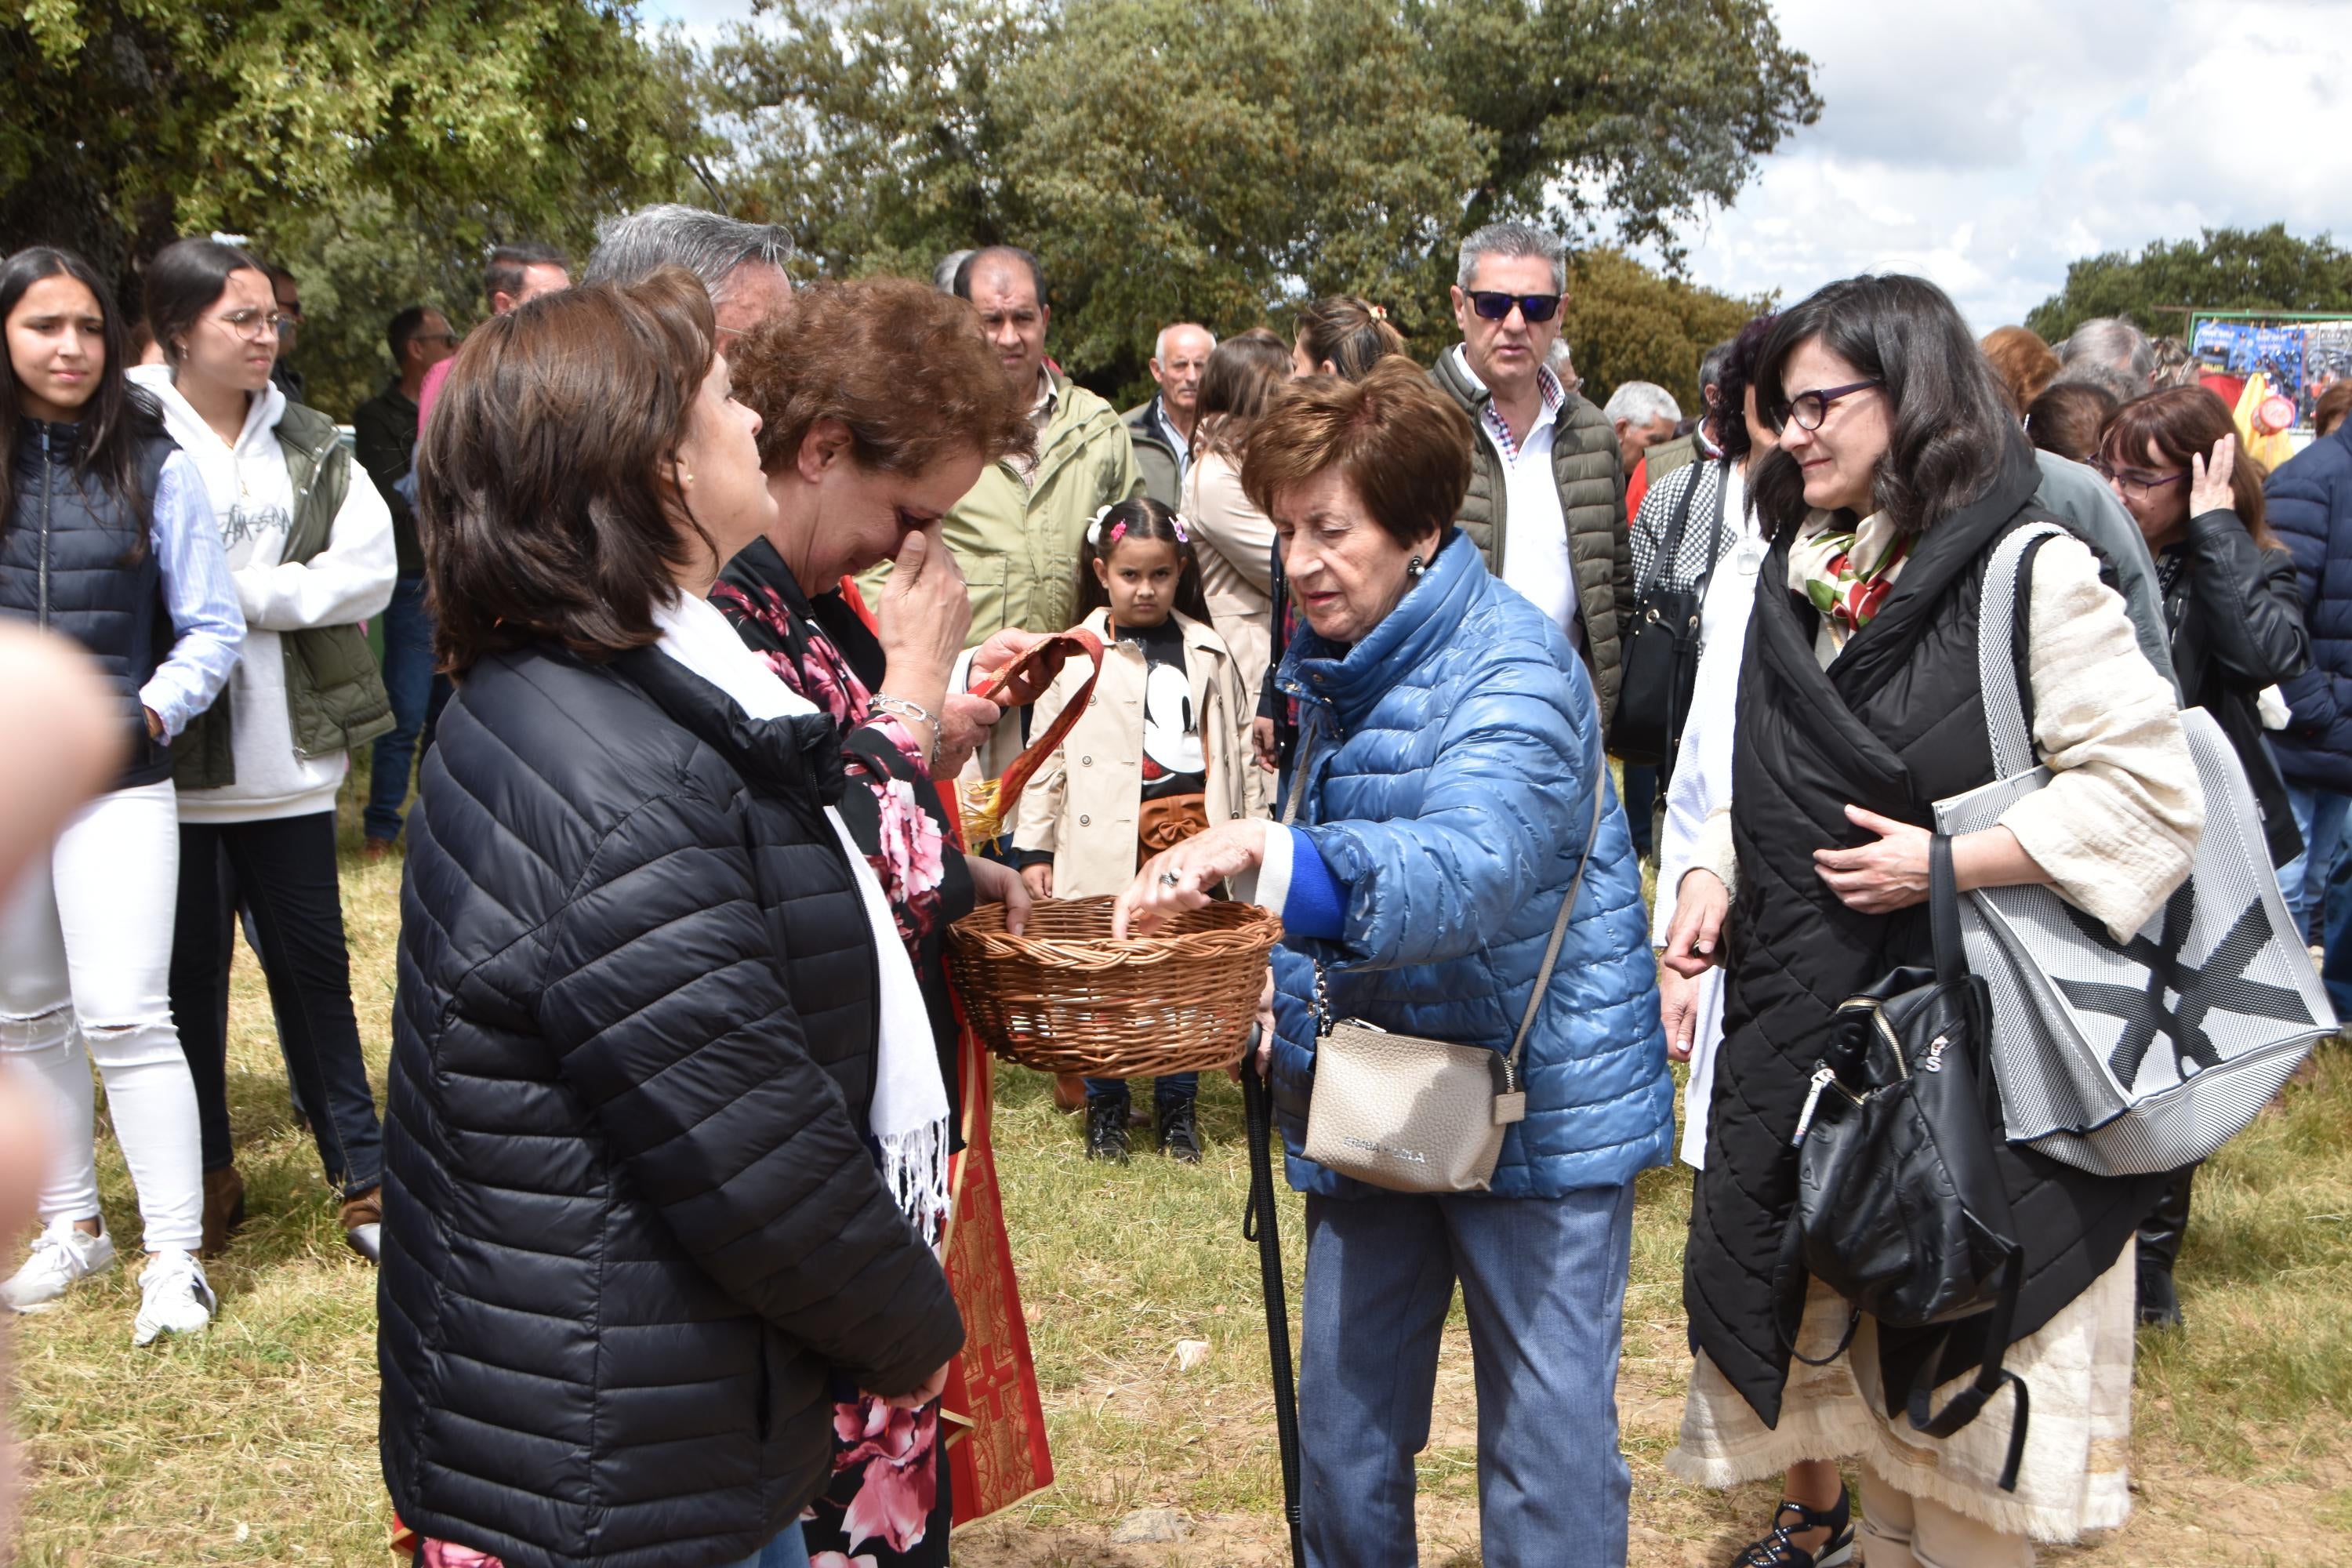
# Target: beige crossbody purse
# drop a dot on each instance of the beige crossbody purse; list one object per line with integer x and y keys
{"x": 1415, "y": 1115}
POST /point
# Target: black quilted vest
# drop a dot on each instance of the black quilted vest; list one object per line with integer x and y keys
{"x": 1896, "y": 724}
{"x": 75, "y": 559}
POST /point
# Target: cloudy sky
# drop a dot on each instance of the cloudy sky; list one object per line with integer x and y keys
{"x": 1987, "y": 143}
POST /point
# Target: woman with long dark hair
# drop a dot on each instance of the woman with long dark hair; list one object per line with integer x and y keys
{"x": 106, "y": 535}
{"x": 2234, "y": 610}
{"x": 311, "y": 555}
{"x": 1900, "y": 467}
{"x": 1235, "y": 541}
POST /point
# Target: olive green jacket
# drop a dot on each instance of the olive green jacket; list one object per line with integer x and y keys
{"x": 334, "y": 692}
{"x": 1592, "y": 500}
{"x": 1161, "y": 469}
{"x": 1018, "y": 543}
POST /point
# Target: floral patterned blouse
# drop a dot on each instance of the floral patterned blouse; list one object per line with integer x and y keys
{"x": 887, "y": 1506}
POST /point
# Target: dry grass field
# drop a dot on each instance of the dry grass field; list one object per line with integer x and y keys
{"x": 256, "y": 1444}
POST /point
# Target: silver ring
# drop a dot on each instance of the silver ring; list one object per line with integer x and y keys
{"x": 1170, "y": 880}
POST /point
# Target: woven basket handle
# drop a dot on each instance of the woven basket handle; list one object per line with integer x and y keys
{"x": 988, "y": 805}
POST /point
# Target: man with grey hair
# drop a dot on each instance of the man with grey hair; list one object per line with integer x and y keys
{"x": 1642, "y": 414}
{"x": 2108, "y": 352}
{"x": 1162, "y": 428}
{"x": 741, "y": 264}
{"x": 1547, "y": 498}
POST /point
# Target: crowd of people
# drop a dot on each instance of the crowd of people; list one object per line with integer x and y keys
{"x": 700, "y": 594}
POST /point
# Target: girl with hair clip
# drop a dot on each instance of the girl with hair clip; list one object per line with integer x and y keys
{"x": 1160, "y": 753}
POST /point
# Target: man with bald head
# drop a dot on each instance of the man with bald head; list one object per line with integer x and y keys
{"x": 1017, "y": 532}
{"x": 1162, "y": 429}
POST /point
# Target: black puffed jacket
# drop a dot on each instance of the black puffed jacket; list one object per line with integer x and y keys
{"x": 2235, "y": 614}
{"x": 631, "y": 1221}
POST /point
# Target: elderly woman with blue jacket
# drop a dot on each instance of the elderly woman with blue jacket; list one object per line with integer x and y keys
{"x": 1450, "y": 752}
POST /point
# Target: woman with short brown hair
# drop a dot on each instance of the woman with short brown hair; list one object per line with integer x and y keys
{"x": 859, "y": 472}
{"x": 652, "y": 1006}
{"x": 1453, "y": 821}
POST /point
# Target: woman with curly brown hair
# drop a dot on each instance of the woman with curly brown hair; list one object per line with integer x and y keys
{"x": 861, "y": 473}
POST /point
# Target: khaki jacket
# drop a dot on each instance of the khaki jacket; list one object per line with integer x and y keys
{"x": 1084, "y": 801}
{"x": 1018, "y": 544}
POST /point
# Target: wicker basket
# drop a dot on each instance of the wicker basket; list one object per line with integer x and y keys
{"x": 1065, "y": 997}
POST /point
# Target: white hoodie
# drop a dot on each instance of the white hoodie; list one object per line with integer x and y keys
{"x": 350, "y": 580}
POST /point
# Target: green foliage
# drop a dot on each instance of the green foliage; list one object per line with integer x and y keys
{"x": 374, "y": 147}
{"x": 1224, "y": 159}
{"x": 2224, "y": 269}
{"x": 1625, "y": 324}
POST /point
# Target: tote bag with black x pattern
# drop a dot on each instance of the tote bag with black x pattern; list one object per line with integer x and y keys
{"x": 2127, "y": 1057}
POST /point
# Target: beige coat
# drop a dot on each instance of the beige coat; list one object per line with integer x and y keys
{"x": 1084, "y": 801}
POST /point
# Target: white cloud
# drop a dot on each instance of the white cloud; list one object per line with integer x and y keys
{"x": 1988, "y": 145}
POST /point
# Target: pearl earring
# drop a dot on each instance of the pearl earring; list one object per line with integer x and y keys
{"x": 1415, "y": 568}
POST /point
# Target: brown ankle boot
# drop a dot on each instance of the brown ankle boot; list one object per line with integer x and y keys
{"x": 362, "y": 1221}
{"x": 1069, "y": 1091}
{"x": 223, "y": 1210}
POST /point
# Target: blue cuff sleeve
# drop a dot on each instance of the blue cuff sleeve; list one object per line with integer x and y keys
{"x": 1316, "y": 904}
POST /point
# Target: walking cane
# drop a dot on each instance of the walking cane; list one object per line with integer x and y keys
{"x": 1260, "y": 1224}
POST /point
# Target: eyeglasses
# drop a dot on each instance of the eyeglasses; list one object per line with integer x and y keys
{"x": 452, "y": 339}
{"x": 2139, "y": 479}
{"x": 1497, "y": 307}
{"x": 252, "y": 325}
{"x": 1810, "y": 409}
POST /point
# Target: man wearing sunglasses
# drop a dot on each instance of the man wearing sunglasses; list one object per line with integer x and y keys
{"x": 1545, "y": 504}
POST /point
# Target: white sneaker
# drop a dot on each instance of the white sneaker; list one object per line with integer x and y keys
{"x": 174, "y": 1298}
{"x": 61, "y": 1256}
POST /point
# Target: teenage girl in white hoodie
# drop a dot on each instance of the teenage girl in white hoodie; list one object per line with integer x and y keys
{"x": 266, "y": 841}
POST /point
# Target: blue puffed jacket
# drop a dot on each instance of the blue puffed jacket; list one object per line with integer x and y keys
{"x": 2309, "y": 500}
{"x": 1449, "y": 794}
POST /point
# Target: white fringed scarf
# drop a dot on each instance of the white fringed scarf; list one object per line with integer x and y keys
{"x": 908, "y": 1118}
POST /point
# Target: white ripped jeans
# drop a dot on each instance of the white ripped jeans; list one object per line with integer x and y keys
{"x": 85, "y": 962}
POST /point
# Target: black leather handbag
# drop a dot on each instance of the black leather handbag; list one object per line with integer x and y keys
{"x": 1900, "y": 1207}
{"x": 1660, "y": 663}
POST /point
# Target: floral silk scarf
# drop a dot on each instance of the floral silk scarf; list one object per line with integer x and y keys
{"x": 1846, "y": 575}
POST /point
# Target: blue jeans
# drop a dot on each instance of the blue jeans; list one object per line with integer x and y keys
{"x": 786, "y": 1551}
{"x": 2319, "y": 814}
{"x": 418, "y": 694}
{"x": 1544, "y": 1283}
{"x": 1172, "y": 1090}
{"x": 1640, "y": 801}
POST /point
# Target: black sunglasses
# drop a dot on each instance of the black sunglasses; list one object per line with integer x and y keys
{"x": 1497, "y": 307}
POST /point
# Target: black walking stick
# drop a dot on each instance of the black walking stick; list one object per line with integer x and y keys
{"x": 1261, "y": 1224}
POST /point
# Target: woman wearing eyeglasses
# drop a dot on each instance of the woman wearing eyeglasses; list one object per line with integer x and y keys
{"x": 2234, "y": 612}
{"x": 311, "y": 552}
{"x": 2231, "y": 602}
{"x": 1900, "y": 467}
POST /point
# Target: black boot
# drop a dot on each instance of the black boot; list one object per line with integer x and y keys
{"x": 1180, "y": 1131}
{"x": 1106, "y": 1129}
{"x": 2160, "y": 1246}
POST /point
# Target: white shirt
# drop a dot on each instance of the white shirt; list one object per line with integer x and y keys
{"x": 1536, "y": 559}
{"x": 252, "y": 496}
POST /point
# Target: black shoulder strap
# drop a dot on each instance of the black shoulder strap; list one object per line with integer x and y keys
{"x": 1670, "y": 547}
